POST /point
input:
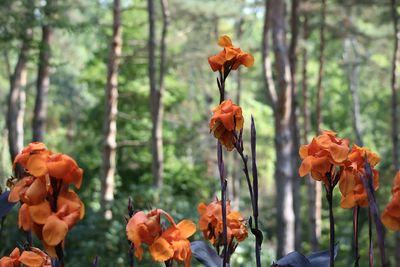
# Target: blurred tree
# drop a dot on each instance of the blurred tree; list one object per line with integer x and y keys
{"x": 16, "y": 97}
{"x": 395, "y": 89}
{"x": 157, "y": 89}
{"x": 282, "y": 105}
{"x": 43, "y": 76}
{"x": 294, "y": 28}
{"x": 111, "y": 113}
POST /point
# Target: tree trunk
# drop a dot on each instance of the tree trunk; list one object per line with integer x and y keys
{"x": 267, "y": 66}
{"x": 294, "y": 114}
{"x": 313, "y": 211}
{"x": 319, "y": 119}
{"x": 236, "y": 170}
{"x": 283, "y": 132}
{"x": 395, "y": 88}
{"x": 157, "y": 91}
{"x": 111, "y": 111}
{"x": 320, "y": 89}
{"x": 16, "y": 97}
{"x": 43, "y": 79}
{"x": 352, "y": 77}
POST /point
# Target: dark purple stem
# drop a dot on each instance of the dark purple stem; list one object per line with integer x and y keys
{"x": 329, "y": 197}
{"x": 371, "y": 245}
{"x": 356, "y": 213}
{"x": 221, "y": 169}
{"x": 131, "y": 246}
{"x": 373, "y": 207}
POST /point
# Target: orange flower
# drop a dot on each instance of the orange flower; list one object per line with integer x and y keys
{"x": 391, "y": 215}
{"x": 174, "y": 243}
{"x": 32, "y": 258}
{"x": 351, "y": 185}
{"x": 143, "y": 228}
{"x": 38, "y": 161}
{"x": 226, "y": 119}
{"x": 229, "y": 58}
{"x": 322, "y": 154}
{"x": 210, "y": 223}
{"x": 29, "y": 190}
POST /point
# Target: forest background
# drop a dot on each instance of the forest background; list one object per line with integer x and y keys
{"x": 64, "y": 65}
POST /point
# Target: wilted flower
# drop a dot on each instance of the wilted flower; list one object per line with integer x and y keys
{"x": 210, "y": 223}
{"x": 30, "y": 258}
{"x": 174, "y": 243}
{"x": 143, "y": 228}
{"x": 229, "y": 58}
{"x": 227, "y": 119}
{"x": 350, "y": 184}
{"x": 321, "y": 156}
{"x": 391, "y": 215}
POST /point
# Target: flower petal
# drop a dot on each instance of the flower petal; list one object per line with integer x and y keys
{"x": 54, "y": 231}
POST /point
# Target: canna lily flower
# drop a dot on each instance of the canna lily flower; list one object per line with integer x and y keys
{"x": 229, "y": 58}
{"x": 32, "y": 258}
{"x": 391, "y": 215}
{"x": 29, "y": 190}
{"x": 32, "y": 148}
{"x": 143, "y": 228}
{"x": 210, "y": 223}
{"x": 174, "y": 243}
{"x": 350, "y": 184}
{"x": 321, "y": 156}
{"x": 227, "y": 119}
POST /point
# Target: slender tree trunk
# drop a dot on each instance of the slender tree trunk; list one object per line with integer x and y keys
{"x": 111, "y": 111}
{"x": 157, "y": 91}
{"x": 313, "y": 209}
{"x": 294, "y": 124}
{"x": 320, "y": 89}
{"x": 283, "y": 132}
{"x": 43, "y": 79}
{"x": 395, "y": 89}
{"x": 352, "y": 77}
{"x": 267, "y": 66}
{"x": 236, "y": 170}
{"x": 16, "y": 97}
{"x": 319, "y": 119}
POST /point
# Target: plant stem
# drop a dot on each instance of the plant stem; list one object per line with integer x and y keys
{"x": 329, "y": 196}
{"x": 221, "y": 169}
{"x": 356, "y": 213}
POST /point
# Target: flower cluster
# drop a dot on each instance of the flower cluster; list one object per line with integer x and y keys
{"x": 321, "y": 156}
{"x": 227, "y": 119}
{"x": 391, "y": 215}
{"x": 326, "y": 153}
{"x": 49, "y": 207}
{"x": 164, "y": 244}
{"x": 210, "y": 223}
{"x": 30, "y": 258}
{"x": 351, "y": 185}
{"x": 229, "y": 58}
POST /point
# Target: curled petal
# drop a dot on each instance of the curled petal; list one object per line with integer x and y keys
{"x": 161, "y": 250}
{"x": 54, "y": 231}
{"x": 31, "y": 259}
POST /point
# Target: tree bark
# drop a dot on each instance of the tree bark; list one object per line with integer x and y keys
{"x": 314, "y": 210}
{"x": 236, "y": 170}
{"x": 283, "y": 132}
{"x": 319, "y": 119}
{"x": 395, "y": 89}
{"x": 16, "y": 97}
{"x": 157, "y": 91}
{"x": 320, "y": 89}
{"x": 111, "y": 112}
{"x": 267, "y": 66}
{"x": 43, "y": 78}
{"x": 294, "y": 114}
